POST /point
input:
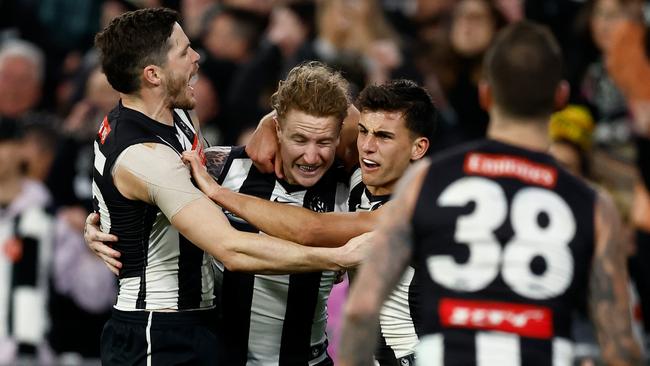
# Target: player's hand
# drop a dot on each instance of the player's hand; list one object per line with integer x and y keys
{"x": 263, "y": 148}
{"x": 99, "y": 242}
{"x": 203, "y": 179}
{"x": 355, "y": 250}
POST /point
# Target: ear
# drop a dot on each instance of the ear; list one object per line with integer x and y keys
{"x": 278, "y": 130}
{"x": 152, "y": 74}
{"x": 419, "y": 148}
{"x": 562, "y": 95}
{"x": 485, "y": 95}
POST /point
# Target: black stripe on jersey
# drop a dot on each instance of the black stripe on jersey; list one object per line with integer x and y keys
{"x": 237, "y": 288}
{"x": 384, "y": 354}
{"x": 298, "y": 318}
{"x": 237, "y": 297}
{"x": 190, "y": 262}
{"x": 184, "y": 127}
{"x": 536, "y": 351}
{"x": 149, "y": 218}
{"x": 457, "y": 351}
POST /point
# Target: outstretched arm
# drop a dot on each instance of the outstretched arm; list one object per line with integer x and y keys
{"x": 154, "y": 174}
{"x": 608, "y": 302}
{"x": 391, "y": 251}
{"x": 284, "y": 221}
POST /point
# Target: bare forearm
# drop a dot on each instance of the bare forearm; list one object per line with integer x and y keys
{"x": 609, "y": 304}
{"x": 264, "y": 254}
{"x": 611, "y": 314}
{"x": 294, "y": 223}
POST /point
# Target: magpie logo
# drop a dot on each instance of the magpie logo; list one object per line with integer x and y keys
{"x": 283, "y": 200}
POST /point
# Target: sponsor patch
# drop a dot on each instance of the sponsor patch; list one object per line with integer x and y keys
{"x": 494, "y": 165}
{"x": 525, "y": 320}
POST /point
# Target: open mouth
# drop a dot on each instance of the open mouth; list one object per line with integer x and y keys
{"x": 370, "y": 164}
{"x": 307, "y": 168}
{"x": 193, "y": 80}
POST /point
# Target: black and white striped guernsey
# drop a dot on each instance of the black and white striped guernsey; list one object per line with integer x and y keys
{"x": 398, "y": 337}
{"x": 277, "y": 320}
{"x": 503, "y": 243}
{"x": 161, "y": 268}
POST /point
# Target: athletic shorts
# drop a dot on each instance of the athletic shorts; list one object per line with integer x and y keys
{"x": 160, "y": 338}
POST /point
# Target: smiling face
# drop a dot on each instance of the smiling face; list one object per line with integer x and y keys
{"x": 386, "y": 148}
{"x": 307, "y": 146}
{"x": 180, "y": 70}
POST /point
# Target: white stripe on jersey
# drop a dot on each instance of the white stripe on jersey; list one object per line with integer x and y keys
{"x": 395, "y": 318}
{"x": 266, "y": 322}
{"x": 430, "y": 351}
{"x": 148, "y": 336}
{"x": 104, "y": 214}
{"x": 562, "y": 352}
{"x": 162, "y": 272}
{"x": 100, "y": 159}
{"x": 497, "y": 348}
{"x": 492, "y": 348}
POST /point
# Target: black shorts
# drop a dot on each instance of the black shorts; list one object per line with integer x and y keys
{"x": 159, "y": 338}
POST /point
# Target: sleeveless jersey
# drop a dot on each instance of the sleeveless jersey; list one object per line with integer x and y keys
{"x": 161, "y": 268}
{"x": 276, "y": 320}
{"x": 503, "y": 242}
{"x": 397, "y": 337}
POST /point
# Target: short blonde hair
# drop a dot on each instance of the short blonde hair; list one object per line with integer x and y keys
{"x": 312, "y": 88}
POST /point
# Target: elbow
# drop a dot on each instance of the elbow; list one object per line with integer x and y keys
{"x": 232, "y": 262}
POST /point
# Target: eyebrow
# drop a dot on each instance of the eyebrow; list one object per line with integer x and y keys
{"x": 377, "y": 132}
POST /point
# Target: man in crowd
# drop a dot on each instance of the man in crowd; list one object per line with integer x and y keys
{"x": 505, "y": 243}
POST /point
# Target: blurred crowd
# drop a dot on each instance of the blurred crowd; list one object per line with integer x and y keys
{"x": 55, "y": 296}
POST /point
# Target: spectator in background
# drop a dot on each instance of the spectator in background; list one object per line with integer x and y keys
{"x": 455, "y": 70}
{"x": 229, "y": 38}
{"x": 26, "y": 242}
{"x": 628, "y": 64}
{"x": 22, "y": 71}
{"x": 591, "y": 81}
{"x": 571, "y": 132}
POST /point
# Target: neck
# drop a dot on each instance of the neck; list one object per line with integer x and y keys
{"x": 530, "y": 134}
{"x": 151, "y": 105}
{"x": 380, "y": 190}
{"x": 10, "y": 189}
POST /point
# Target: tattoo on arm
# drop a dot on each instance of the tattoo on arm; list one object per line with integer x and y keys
{"x": 609, "y": 292}
{"x": 217, "y": 157}
{"x": 391, "y": 253}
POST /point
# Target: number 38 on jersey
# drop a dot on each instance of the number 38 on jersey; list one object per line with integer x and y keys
{"x": 534, "y": 239}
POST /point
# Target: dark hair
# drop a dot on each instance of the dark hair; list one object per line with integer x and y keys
{"x": 133, "y": 41}
{"x": 524, "y": 68}
{"x": 406, "y": 96}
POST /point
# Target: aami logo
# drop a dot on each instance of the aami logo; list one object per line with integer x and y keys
{"x": 526, "y": 320}
{"x": 104, "y": 130}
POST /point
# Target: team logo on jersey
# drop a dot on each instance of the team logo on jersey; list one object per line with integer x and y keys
{"x": 526, "y": 320}
{"x": 496, "y": 165}
{"x": 104, "y": 130}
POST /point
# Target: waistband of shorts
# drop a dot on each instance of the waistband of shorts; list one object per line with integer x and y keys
{"x": 159, "y": 318}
